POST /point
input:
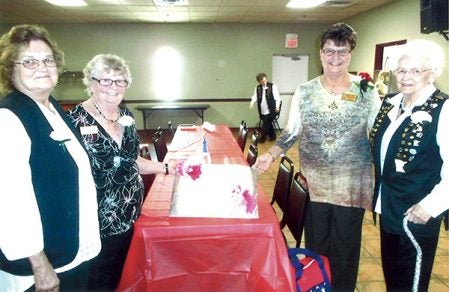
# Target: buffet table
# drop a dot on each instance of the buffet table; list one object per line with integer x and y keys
{"x": 205, "y": 254}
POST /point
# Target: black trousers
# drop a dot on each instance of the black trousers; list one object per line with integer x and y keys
{"x": 336, "y": 232}
{"x": 399, "y": 260}
{"x": 106, "y": 268}
{"x": 267, "y": 127}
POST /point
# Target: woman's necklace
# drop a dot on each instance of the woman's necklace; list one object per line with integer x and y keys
{"x": 402, "y": 105}
{"x": 104, "y": 117}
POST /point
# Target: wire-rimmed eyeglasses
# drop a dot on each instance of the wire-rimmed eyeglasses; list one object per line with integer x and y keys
{"x": 108, "y": 82}
{"x": 415, "y": 72}
{"x": 330, "y": 52}
{"x": 32, "y": 63}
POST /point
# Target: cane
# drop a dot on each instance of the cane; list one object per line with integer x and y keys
{"x": 418, "y": 254}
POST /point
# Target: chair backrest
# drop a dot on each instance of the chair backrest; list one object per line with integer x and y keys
{"x": 144, "y": 151}
{"x": 241, "y": 139}
{"x": 255, "y": 137}
{"x": 295, "y": 211}
{"x": 446, "y": 220}
{"x": 252, "y": 154}
{"x": 148, "y": 179}
{"x": 160, "y": 147}
{"x": 283, "y": 183}
{"x": 242, "y": 126}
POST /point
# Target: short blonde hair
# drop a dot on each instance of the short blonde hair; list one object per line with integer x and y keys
{"x": 105, "y": 63}
{"x": 431, "y": 53}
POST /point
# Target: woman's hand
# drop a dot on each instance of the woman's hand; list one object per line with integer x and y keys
{"x": 45, "y": 277}
{"x": 417, "y": 214}
{"x": 263, "y": 162}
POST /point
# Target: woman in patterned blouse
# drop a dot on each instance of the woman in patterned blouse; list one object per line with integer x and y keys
{"x": 330, "y": 116}
{"x": 110, "y": 137}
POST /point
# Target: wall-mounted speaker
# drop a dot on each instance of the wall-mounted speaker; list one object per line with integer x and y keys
{"x": 434, "y": 15}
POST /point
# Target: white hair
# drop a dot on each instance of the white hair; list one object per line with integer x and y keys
{"x": 429, "y": 52}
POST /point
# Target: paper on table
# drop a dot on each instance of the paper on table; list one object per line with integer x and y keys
{"x": 208, "y": 127}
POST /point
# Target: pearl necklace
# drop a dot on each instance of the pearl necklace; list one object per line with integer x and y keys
{"x": 104, "y": 117}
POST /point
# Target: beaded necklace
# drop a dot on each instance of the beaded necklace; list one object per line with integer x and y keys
{"x": 104, "y": 117}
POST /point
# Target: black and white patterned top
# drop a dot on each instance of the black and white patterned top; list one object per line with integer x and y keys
{"x": 119, "y": 185}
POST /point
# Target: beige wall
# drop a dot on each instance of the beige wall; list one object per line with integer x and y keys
{"x": 398, "y": 20}
{"x": 220, "y": 61}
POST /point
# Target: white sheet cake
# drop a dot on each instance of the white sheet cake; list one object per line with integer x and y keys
{"x": 214, "y": 190}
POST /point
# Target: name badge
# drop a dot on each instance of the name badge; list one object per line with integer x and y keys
{"x": 349, "y": 96}
{"x": 89, "y": 130}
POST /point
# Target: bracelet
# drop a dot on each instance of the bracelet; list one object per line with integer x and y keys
{"x": 166, "y": 168}
{"x": 272, "y": 156}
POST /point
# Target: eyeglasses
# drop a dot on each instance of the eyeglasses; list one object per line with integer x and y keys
{"x": 108, "y": 82}
{"x": 331, "y": 52}
{"x": 415, "y": 72}
{"x": 31, "y": 63}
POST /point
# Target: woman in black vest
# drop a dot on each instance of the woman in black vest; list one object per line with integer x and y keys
{"x": 266, "y": 94}
{"x": 410, "y": 142}
{"x": 48, "y": 208}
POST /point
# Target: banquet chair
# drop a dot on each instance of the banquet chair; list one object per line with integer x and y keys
{"x": 242, "y": 126}
{"x": 160, "y": 147}
{"x": 276, "y": 118}
{"x": 283, "y": 183}
{"x": 243, "y": 135}
{"x": 295, "y": 211}
{"x": 144, "y": 151}
{"x": 252, "y": 154}
{"x": 255, "y": 137}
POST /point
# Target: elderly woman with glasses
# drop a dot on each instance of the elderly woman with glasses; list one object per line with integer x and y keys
{"x": 330, "y": 117}
{"x": 110, "y": 137}
{"x": 410, "y": 144}
{"x": 48, "y": 207}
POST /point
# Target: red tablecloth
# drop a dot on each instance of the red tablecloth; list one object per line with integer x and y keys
{"x": 205, "y": 254}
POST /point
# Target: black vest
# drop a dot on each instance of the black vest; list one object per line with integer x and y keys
{"x": 418, "y": 146}
{"x": 269, "y": 96}
{"x": 55, "y": 183}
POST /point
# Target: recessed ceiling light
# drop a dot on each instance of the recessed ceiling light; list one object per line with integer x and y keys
{"x": 67, "y": 2}
{"x": 304, "y": 3}
{"x": 171, "y": 2}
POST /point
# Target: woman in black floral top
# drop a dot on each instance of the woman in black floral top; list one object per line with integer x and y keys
{"x": 110, "y": 137}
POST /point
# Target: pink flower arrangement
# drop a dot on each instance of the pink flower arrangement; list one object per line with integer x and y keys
{"x": 185, "y": 169}
{"x": 247, "y": 199}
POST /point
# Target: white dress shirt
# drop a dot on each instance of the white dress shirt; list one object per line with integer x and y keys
{"x": 264, "y": 110}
